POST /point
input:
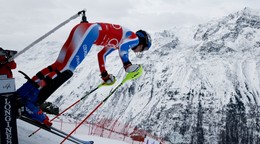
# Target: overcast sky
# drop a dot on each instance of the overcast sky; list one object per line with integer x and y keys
{"x": 23, "y": 21}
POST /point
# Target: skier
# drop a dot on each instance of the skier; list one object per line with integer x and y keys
{"x": 6, "y": 67}
{"x": 111, "y": 36}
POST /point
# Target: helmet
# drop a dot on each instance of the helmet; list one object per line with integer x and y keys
{"x": 144, "y": 39}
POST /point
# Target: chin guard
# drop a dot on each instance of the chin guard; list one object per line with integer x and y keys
{"x": 139, "y": 54}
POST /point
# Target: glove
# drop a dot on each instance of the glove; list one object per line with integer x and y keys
{"x": 132, "y": 68}
{"x": 108, "y": 79}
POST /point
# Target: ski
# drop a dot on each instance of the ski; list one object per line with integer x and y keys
{"x": 54, "y": 131}
{"x": 65, "y": 134}
{"x": 25, "y": 119}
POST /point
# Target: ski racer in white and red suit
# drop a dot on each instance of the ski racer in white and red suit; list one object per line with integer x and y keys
{"x": 111, "y": 36}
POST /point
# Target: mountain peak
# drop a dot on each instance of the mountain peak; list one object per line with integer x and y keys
{"x": 240, "y": 26}
{"x": 250, "y": 11}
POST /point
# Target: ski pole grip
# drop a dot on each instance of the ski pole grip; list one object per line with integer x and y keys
{"x": 83, "y": 11}
{"x": 134, "y": 75}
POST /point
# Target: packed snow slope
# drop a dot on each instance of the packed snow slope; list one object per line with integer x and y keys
{"x": 200, "y": 84}
{"x": 43, "y": 137}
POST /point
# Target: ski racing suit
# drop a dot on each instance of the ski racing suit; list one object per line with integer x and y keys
{"x": 82, "y": 37}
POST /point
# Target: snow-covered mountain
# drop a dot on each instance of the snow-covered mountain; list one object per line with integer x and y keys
{"x": 200, "y": 84}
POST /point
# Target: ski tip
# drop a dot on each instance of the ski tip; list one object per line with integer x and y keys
{"x": 88, "y": 142}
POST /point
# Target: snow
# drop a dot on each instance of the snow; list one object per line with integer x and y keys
{"x": 41, "y": 137}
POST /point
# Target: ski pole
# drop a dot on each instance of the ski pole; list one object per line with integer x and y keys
{"x": 45, "y": 35}
{"x": 131, "y": 75}
{"x": 82, "y": 98}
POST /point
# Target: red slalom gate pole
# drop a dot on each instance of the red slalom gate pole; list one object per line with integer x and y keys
{"x": 81, "y": 123}
{"x": 92, "y": 112}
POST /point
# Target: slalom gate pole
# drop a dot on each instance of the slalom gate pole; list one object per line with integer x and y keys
{"x": 132, "y": 75}
{"x": 82, "y": 98}
{"x": 8, "y": 111}
{"x": 45, "y": 35}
